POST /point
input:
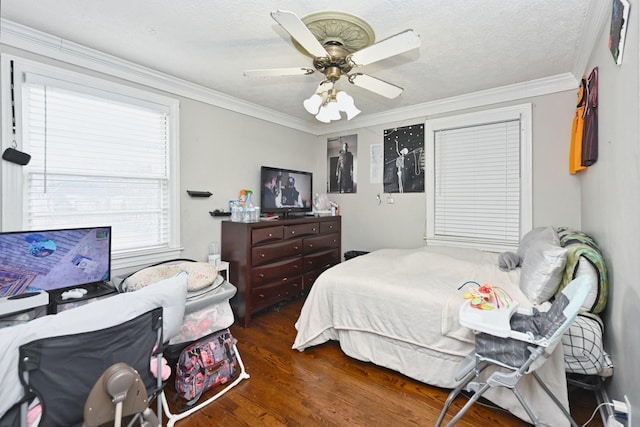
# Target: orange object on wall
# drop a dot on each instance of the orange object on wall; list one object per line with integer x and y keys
{"x": 575, "y": 154}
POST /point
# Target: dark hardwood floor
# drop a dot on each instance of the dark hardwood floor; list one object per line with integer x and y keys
{"x": 323, "y": 387}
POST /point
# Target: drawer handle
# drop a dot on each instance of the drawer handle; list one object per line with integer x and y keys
{"x": 261, "y": 295}
{"x": 331, "y": 227}
{"x": 270, "y": 235}
{"x": 261, "y": 255}
{"x": 310, "y": 245}
{"x": 314, "y": 229}
{"x": 295, "y": 267}
{"x": 261, "y": 276}
{"x": 295, "y": 247}
{"x": 293, "y": 231}
{"x": 284, "y": 279}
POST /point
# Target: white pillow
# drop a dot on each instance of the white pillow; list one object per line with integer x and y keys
{"x": 542, "y": 269}
{"x": 547, "y": 234}
{"x": 201, "y": 275}
{"x": 585, "y": 268}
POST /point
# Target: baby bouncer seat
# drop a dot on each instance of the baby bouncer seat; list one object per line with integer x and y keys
{"x": 518, "y": 350}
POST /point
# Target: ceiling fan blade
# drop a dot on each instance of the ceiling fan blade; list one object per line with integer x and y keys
{"x": 373, "y": 84}
{"x": 394, "y": 45}
{"x": 299, "y": 31}
{"x": 274, "y": 72}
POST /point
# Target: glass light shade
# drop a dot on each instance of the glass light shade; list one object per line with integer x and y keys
{"x": 323, "y": 115}
{"x": 333, "y": 110}
{"x": 351, "y": 112}
{"x": 312, "y": 105}
{"x": 346, "y": 104}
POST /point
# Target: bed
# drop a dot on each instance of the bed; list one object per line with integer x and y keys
{"x": 398, "y": 308}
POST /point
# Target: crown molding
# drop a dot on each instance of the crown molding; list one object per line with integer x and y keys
{"x": 38, "y": 42}
{"x": 598, "y": 14}
{"x": 34, "y": 41}
{"x": 514, "y": 92}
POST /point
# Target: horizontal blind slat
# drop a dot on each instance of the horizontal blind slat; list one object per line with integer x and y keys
{"x": 477, "y": 191}
{"x": 97, "y": 160}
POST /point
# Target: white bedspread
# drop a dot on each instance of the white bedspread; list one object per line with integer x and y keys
{"x": 398, "y": 308}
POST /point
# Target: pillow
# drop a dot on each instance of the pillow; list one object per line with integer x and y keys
{"x": 542, "y": 269}
{"x": 201, "y": 275}
{"x": 547, "y": 234}
{"x": 585, "y": 268}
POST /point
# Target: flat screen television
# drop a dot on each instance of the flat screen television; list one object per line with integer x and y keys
{"x": 54, "y": 260}
{"x": 285, "y": 192}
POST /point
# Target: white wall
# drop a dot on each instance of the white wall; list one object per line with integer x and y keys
{"x": 556, "y": 196}
{"x": 611, "y": 205}
{"x": 221, "y": 152}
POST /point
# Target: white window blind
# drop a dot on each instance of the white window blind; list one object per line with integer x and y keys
{"x": 98, "y": 158}
{"x": 477, "y": 182}
{"x": 478, "y": 178}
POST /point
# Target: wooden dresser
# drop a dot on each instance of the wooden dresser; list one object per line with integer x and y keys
{"x": 272, "y": 261}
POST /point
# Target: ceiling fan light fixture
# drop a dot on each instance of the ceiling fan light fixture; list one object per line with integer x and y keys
{"x": 333, "y": 112}
{"x": 323, "y": 115}
{"x": 346, "y": 104}
{"x": 312, "y": 105}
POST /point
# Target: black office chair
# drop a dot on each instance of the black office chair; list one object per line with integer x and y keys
{"x": 59, "y": 373}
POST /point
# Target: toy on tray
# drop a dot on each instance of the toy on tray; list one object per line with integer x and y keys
{"x": 487, "y": 296}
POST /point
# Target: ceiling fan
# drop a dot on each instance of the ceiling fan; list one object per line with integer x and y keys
{"x": 339, "y": 44}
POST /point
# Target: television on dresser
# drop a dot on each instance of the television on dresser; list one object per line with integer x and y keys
{"x": 285, "y": 192}
{"x": 54, "y": 260}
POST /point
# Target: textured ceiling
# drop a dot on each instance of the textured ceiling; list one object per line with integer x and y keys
{"x": 467, "y": 45}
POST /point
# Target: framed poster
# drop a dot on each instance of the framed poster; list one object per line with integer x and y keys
{"x": 342, "y": 160}
{"x": 618, "y": 31}
{"x": 404, "y": 159}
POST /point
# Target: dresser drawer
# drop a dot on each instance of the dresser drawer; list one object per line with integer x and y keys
{"x": 310, "y": 278}
{"x": 266, "y": 254}
{"x": 265, "y": 235}
{"x": 266, "y": 296}
{"x": 321, "y": 260}
{"x": 330, "y": 227}
{"x": 280, "y": 271}
{"x": 318, "y": 243}
{"x": 300, "y": 230}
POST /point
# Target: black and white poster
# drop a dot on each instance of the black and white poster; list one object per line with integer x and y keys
{"x": 342, "y": 158}
{"x": 404, "y": 159}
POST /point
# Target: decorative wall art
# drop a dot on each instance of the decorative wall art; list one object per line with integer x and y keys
{"x": 404, "y": 159}
{"x": 342, "y": 159}
{"x": 618, "y": 31}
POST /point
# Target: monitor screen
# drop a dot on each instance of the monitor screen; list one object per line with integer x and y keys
{"x": 285, "y": 191}
{"x": 52, "y": 260}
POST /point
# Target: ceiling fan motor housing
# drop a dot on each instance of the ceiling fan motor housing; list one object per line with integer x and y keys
{"x": 335, "y": 64}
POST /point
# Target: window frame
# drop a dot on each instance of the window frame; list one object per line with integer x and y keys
{"x": 12, "y": 176}
{"x": 523, "y": 113}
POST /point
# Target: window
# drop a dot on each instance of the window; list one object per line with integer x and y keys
{"x": 479, "y": 178}
{"x": 102, "y": 154}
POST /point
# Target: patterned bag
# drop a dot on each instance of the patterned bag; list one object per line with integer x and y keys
{"x": 208, "y": 362}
